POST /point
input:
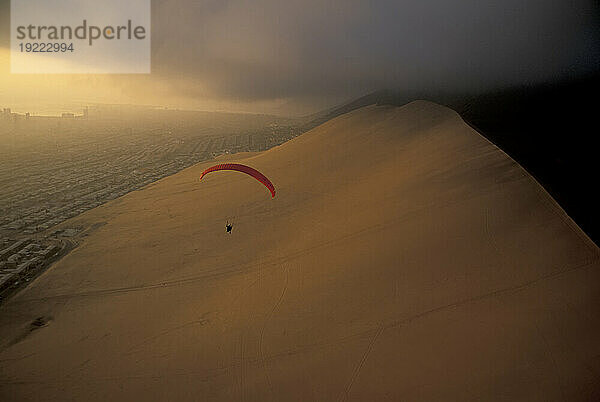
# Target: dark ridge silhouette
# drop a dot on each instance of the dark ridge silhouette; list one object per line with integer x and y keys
{"x": 550, "y": 129}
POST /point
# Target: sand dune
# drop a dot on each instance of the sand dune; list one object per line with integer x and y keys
{"x": 404, "y": 258}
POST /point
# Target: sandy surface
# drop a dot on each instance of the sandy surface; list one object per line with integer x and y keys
{"x": 404, "y": 258}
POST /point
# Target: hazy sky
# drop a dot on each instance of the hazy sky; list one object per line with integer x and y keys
{"x": 278, "y": 56}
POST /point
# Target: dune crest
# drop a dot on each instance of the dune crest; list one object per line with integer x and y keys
{"x": 404, "y": 258}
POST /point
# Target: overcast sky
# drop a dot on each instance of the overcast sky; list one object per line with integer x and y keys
{"x": 299, "y": 56}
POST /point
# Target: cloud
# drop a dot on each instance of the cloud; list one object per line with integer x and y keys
{"x": 308, "y": 50}
{"x": 297, "y": 56}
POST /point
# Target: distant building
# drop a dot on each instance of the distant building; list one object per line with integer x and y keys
{"x": 49, "y": 250}
{"x": 14, "y": 248}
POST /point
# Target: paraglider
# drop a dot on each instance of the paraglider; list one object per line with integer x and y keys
{"x": 244, "y": 169}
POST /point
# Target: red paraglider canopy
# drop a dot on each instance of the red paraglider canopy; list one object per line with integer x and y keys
{"x": 244, "y": 169}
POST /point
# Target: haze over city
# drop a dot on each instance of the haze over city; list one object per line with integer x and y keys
{"x": 295, "y": 58}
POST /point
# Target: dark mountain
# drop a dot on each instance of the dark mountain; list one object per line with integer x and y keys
{"x": 551, "y": 129}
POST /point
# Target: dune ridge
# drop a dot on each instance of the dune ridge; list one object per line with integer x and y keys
{"x": 404, "y": 257}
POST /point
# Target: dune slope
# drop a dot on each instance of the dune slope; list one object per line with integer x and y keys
{"x": 404, "y": 258}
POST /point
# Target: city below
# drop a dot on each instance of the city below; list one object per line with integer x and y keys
{"x": 54, "y": 168}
